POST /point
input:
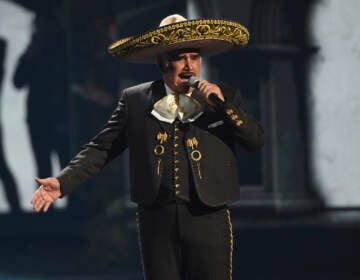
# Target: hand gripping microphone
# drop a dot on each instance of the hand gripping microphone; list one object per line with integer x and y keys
{"x": 194, "y": 82}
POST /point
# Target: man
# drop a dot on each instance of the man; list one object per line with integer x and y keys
{"x": 182, "y": 159}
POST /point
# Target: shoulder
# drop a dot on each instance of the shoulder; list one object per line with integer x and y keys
{"x": 138, "y": 88}
{"x": 141, "y": 88}
{"x": 230, "y": 92}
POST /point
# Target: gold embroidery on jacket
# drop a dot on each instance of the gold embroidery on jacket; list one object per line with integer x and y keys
{"x": 162, "y": 137}
{"x": 159, "y": 149}
{"x": 231, "y": 241}
{"x": 195, "y": 154}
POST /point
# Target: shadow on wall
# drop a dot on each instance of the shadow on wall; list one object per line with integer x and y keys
{"x": 6, "y": 176}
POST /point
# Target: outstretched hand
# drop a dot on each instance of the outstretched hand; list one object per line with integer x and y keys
{"x": 46, "y": 194}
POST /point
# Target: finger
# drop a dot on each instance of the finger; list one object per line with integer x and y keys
{"x": 202, "y": 85}
{"x": 35, "y": 197}
{"x": 40, "y": 181}
{"x": 208, "y": 89}
{"x": 48, "y": 184}
{"x": 49, "y": 188}
{"x": 202, "y": 82}
{"x": 203, "y": 91}
{"x": 46, "y": 207}
{"x": 38, "y": 205}
{"x": 43, "y": 195}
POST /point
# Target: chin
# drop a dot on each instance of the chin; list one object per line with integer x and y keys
{"x": 185, "y": 89}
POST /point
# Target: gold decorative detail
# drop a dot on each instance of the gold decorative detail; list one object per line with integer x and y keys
{"x": 176, "y": 145}
{"x": 162, "y": 137}
{"x": 157, "y": 39}
{"x": 195, "y": 155}
{"x": 239, "y": 122}
{"x": 176, "y": 153}
{"x": 159, "y": 103}
{"x": 159, "y": 150}
{"x": 177, "y": 185}
{"x": 229, "y": 111}
{"x": 171, "y": 107}
{"x": 177, "y": 102}
{"x": 176, "y": 161}
{"x": 186, "y": 31}
{"x": 176, "y": 169}
{"x": 120, "y": 42}
{"x": 203, "y": 29}
{"x": 158, "y": 166}
{"x": 198, "y": 168}
{"x": 231, "y": 241}
{"x": 234, "y": 117}
{"x": 177, "y": 178}
{"x": 177, "y": 192}
{"x": 192, "y": 143}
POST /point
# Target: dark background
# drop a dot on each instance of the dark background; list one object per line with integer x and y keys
{"x": 282, "y": 227}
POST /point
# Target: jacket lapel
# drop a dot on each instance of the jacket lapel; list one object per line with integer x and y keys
{"x": 157, "y": 91}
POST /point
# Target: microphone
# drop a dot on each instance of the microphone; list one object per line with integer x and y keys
{"x": 194, "y": 82}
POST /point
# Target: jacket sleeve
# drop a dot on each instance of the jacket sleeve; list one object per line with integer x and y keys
{"x": 246, "y": 129}
{"x": 103, "y": 148}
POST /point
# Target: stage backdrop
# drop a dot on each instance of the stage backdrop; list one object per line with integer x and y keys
{"x": 335, "y": 101}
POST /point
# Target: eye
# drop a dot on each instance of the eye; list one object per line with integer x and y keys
{"x": 195, "y": 57}
{"x": 177, "y": 58}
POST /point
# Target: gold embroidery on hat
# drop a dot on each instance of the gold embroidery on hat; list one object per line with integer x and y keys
{"x": 157, "y": 39}
{"x": 203, "y": 29}
{"x": 184, "y": 31}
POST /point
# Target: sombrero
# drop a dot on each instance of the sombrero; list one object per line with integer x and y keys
{"x": 209, "y": 36}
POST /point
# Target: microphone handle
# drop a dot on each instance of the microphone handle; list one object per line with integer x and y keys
{"x": 216, "y": 100}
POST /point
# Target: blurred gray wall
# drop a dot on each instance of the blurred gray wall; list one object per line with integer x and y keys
{"x": 335, "y": 102}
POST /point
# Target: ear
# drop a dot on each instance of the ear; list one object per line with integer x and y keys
{"x": 163, "y": 63}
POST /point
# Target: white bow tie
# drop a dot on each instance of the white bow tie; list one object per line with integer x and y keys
{"x": 180, "y": 106}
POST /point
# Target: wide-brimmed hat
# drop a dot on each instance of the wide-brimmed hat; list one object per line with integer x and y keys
{"x": 209, "y": 36}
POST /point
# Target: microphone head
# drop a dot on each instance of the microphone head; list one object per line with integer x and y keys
{"x": 194, "y": 81}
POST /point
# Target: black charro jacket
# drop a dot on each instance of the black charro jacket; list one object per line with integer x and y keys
{"x": 213, "y": 164}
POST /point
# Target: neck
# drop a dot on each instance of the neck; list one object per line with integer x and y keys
{"x": 175, "y": 90}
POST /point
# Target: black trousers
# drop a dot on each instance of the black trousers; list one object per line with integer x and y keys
{"x": 182, "y": 241}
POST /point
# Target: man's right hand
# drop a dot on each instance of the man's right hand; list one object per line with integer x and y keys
{"x": 46, "y": 194}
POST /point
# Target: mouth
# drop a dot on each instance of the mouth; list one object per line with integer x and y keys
{"x": 186, "y": 75}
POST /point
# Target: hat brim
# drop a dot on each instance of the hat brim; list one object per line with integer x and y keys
{"x": 209, "y": 36}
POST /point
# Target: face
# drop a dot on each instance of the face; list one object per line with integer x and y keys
{"x": 181, "y": 67}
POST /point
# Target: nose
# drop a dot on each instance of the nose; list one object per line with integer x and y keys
{"x": 187, "y": 65}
